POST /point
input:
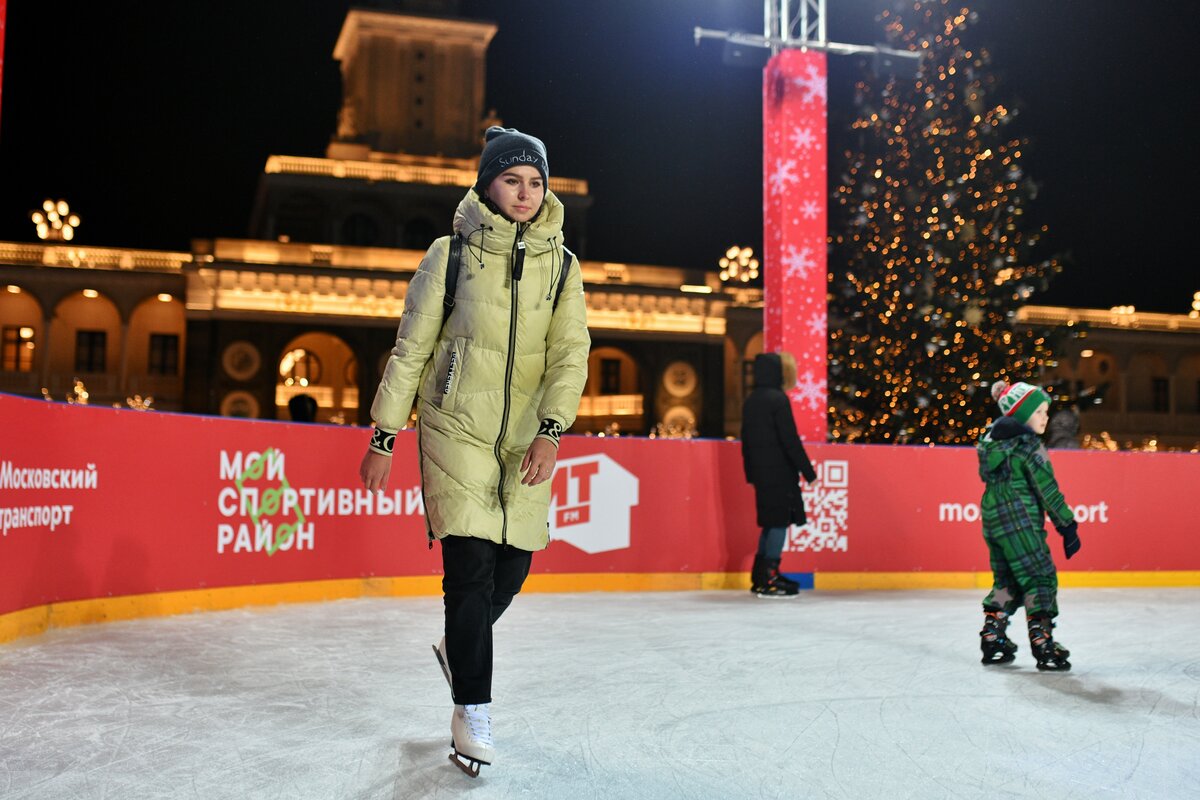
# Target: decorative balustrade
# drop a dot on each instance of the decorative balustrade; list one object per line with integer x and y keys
{"x": 400, "y": 173}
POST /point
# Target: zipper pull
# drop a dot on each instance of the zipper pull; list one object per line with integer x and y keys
{"x": 519, "y": 260}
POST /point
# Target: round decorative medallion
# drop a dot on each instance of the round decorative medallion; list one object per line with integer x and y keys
{"x": 679, "y": 379}
{"x": 241, "y": 360}
{"x": 680, "y": 417}
{"x": 240, "y": 404}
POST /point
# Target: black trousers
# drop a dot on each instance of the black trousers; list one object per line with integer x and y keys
{"x": 480, "y": 579}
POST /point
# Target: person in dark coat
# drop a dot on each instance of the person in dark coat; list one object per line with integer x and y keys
{"x": 774, "y": 460}
{"x": 303, "y": 408}
{"x": 1063, "y": 430}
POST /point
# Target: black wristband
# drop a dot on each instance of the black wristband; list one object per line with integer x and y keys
{"x": 551, "y": 429}
{"x": 382, "y": 441}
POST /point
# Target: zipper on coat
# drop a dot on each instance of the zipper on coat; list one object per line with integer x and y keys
{"x": 518, "y": 261}
{"x": 421, "y": 471}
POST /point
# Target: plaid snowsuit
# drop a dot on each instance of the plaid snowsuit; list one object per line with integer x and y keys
{"x": 1020, "y": 490}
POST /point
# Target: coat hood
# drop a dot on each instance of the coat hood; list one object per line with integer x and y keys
{"x": 774, "y": 371}
{"x": 486, "y": 230}
{"x": 1003, "y": 437}
{"x": 1007, "y": 428}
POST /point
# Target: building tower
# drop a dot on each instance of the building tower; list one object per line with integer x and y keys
{"x": 408, "y": 137}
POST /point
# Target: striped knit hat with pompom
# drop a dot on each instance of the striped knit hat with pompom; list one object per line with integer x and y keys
{"x": 1018, "y": 400}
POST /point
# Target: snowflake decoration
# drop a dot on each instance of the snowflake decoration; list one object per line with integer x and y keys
{"x": 810, "y": 209}
{"x": 810, "y": 390}
{"x": 804, "y": 139}
{"x": 784, "y": 175}
{"x": 818, "y": 325}
{"x": 812, "y": 84}
{"x": 798, "y": 262}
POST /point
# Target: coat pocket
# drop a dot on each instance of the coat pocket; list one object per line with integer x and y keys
{"x": 450, "y": 375}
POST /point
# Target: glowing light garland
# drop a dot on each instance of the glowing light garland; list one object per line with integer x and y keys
{"x": 934, "y": 254}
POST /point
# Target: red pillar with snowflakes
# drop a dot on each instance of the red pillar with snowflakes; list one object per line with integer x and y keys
{"x": 795, "y": 315}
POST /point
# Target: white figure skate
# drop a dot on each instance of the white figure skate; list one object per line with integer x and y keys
{"x": 439, "y": 650}
{"x": 471, "y": 729}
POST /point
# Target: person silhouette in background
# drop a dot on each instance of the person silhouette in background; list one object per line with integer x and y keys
{"x": 774, "y": 459}
{"x": 303, "y": 408}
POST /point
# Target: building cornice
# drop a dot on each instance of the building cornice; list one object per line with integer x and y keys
{"x": 104, "y": 258}
{"x": 377, "y": 171}
{"x": 360, "y": 22}
{"x": 1118, "y": 318}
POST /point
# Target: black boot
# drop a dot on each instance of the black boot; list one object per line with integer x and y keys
{"x": 1050, "y": 654}
{"x": 789, "y": 585}
{"x": 993, "y": 639}
{"x": 773, "y": 584}
{"x": 759, "y": 575}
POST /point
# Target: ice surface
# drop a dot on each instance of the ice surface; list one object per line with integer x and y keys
{"x": 652, "y": 695}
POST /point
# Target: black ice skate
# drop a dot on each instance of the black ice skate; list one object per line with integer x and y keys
{"x": 1050, "y": 654}
{"x": 787, "y": 583}
{"x": 774, "y": 588}
{"x": 765, "y": 580}
{"x": 471, "y": 738}
{"x": 997, "y": 647}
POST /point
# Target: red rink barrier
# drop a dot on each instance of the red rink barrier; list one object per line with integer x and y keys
{"x": 98, "y": 503}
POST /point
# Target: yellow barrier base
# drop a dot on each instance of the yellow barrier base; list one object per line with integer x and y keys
{"x": 33, "y": 621}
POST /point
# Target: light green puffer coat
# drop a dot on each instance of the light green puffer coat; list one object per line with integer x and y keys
{"x": 506, "y": 361}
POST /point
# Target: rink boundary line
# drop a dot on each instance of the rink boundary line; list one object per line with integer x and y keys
{"x": 39, "y": 619}
{"x": 1109, "y": 579}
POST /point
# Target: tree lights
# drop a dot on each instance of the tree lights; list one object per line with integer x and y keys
{"x": 934, "y": 252}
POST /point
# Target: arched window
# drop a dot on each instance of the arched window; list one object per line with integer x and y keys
{"x": 300, "y": 367}
{"x": 322, "y": 366}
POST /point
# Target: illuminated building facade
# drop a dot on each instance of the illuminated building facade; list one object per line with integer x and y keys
{"x": 1144, "y": 368}
{"x": 240, "y": 326}
{"x": 309, "y": 305}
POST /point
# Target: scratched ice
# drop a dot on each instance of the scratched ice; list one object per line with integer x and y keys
{"x": 657, "y": 695}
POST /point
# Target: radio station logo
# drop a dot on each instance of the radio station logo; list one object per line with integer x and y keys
{"x": 591, "y": 502}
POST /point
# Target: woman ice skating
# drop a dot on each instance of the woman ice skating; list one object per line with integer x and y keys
{"x": 774, "y": 459}
{"x": 497, "y": 372}
{"x": 1020, "y": 491}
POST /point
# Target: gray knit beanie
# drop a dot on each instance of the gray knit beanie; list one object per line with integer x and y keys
{"x": 508, "y": 147}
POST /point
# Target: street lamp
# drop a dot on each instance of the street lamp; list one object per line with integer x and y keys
{"x": 738, "y": 264}
{"x": 55, "y": 221}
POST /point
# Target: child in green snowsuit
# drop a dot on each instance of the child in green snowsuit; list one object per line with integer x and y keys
{"x": 1020, "y": 491}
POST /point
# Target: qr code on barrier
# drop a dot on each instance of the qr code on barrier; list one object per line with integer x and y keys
{"x": 826, "y": 506}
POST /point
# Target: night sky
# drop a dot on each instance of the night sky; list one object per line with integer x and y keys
{"x": 154, "y": 121}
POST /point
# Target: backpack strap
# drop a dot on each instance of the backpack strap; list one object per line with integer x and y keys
{"x": 454, "y": 261}
{"x": 452, "y": 265}
{"x": 568, "y": 259}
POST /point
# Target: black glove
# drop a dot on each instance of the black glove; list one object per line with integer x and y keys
{"x": 1070, "y": 536}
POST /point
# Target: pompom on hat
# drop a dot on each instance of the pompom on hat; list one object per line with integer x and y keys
{"x": 1019, "y": 400}
{"x": 508, "y": 147}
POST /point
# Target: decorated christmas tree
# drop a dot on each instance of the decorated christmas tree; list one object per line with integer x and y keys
{"x": 933, "y": 248}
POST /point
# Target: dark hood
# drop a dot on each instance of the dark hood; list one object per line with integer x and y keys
{"x": 768, "y": 371}
{"x": 1008, "y": 428}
